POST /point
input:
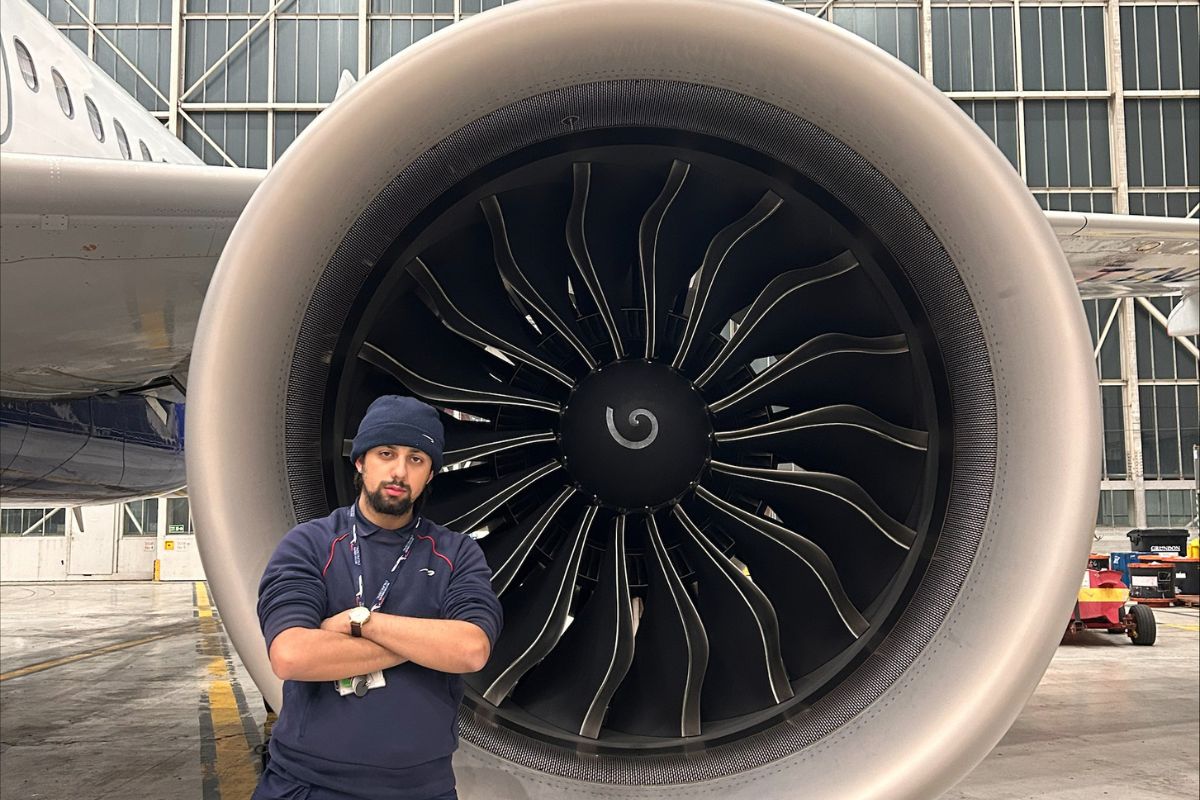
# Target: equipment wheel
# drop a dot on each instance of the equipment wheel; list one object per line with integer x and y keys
{"x": 1143, "y": 628}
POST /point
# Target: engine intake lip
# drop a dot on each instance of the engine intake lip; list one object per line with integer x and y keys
{"x": 1005, "y": 314}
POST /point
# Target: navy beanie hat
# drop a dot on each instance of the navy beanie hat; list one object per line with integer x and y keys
{"x": 406, "y": 421}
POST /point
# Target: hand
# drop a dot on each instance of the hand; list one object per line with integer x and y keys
{"x": 338, "y": 623}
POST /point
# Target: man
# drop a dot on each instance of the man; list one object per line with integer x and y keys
{"x": 370, "y": 615}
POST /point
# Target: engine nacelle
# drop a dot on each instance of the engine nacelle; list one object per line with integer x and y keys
{"x": 765, "y": 379}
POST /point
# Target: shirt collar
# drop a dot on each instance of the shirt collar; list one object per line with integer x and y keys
{"x": 366, "y": 527}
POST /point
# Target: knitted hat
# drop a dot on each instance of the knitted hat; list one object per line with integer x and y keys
{"x": 405, "y": 421}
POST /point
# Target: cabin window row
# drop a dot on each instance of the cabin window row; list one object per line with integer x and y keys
{"x": 67, "y": 104}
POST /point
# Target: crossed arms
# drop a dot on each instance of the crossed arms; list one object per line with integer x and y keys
{"x": 330, "y": 653}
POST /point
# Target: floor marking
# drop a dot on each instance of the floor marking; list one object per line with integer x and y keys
{"x": 116, "y": 647}
{"x": 1180, "y": 627}
{"x": 228, "y": 762}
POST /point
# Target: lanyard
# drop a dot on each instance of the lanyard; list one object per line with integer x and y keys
{"x": 358, "y": 561}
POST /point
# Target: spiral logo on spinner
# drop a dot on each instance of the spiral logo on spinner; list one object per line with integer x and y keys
{"x": 635, "y": 418}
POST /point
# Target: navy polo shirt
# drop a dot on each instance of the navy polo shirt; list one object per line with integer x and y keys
{"x": 397, "y": 741}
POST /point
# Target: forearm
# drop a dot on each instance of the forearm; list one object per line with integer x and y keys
{"x": 447, "y": 645}
{"x": 310, "y": 654}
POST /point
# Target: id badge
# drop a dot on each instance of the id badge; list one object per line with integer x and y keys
{"x": 359, "y": 685}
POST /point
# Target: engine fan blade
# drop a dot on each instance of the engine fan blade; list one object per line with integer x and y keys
{"x": 538, "y": 613}
{"x": 577, "y": 242}
{"x": 473, "y": 312}
{"x": 885, "y": 459}
{"x": 745, "y": 666}
{"x": 697, "y": 309}
{"x": 573, "y": 685}
{"x": 648, "y": 233}
{"x": 465, "y": 509}
{"x": 660, "y": 695}
{"x": 523, "y": 282}
{"x": 507, "y": 549}
{"x": 816, "y": 617}
{"x": 795, "y": 306}
{"x": 829, "y": 369}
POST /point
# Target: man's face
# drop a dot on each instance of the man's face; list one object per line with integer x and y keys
{"x": 393, "y": 478}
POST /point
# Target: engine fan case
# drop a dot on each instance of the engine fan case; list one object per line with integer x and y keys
{"x": 962, "y": 688}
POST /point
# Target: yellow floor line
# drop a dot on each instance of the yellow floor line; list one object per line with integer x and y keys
{"x": 42, "y": 666}
{"x": 203, "y": 606}
{"x": 1180, "y": 627}
{"x": 233, "y": 760}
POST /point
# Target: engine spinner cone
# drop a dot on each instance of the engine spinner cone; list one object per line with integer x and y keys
{"x": 635, "y": 435}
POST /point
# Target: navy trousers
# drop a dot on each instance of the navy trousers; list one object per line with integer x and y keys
{"x": 274, "y": 785}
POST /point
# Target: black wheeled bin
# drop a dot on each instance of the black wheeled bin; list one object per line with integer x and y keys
{"x": 1160, "y": 541}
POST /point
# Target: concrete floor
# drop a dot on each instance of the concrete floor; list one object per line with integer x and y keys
{"x": 131, "y": 690}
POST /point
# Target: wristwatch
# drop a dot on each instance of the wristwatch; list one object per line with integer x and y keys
{"x": 358, "y": 617}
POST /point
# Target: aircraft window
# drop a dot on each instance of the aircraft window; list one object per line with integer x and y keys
{"x": 145, "y": 151}
{"x": 64, "y": 94}
{"x": 122, "y": 139}
{"x": 28, "y": 71}
{"x": 94, "y": 118}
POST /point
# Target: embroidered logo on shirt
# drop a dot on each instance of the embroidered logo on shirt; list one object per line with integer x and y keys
{"x": 426, "y": 571}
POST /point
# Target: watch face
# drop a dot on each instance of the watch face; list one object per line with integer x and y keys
{"x": 359, "y": 615}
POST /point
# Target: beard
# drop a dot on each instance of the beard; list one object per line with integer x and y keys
{"x": 392, "y": 506}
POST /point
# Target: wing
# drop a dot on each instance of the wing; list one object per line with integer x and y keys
{"x": 1114, "y": 255}
{"x": 104, "y": 266}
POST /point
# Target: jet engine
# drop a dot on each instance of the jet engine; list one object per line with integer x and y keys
{"x": 767, "y": 389}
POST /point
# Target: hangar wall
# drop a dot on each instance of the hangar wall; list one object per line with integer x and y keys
{"x": 1095, "y": 102}
{"x": 138, "y": 540}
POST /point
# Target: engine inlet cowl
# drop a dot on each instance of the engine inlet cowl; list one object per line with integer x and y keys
{"x": 741, "y": 380}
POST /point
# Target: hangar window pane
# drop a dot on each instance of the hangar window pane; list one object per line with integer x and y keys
{"x": 1168, "y": 508}
{"x": 150, "y": 51}
{"x": 1159, "y": 46}
{"x": 310, "y": 56}
{"x": 1115, "y": 509}
{"x": 1103, "y": 321}
{"x": 1112, "y": 403}
{"x": 390, "y": 36}
{"x": 94, "y": 118}
{"x": 319, "y": 7}
{"x": 140, "y": 518}
{"x": 1169, "y": 430}
{"x": 1066, "y": 143}
{"x": 64, "y": 94}
{"x": 288, "y": 127}
{"x": 122, "y": 139}
{"x": 1163, "y": 204}
{"x": 245, "y": 75}
{"x": 476, "y": 6}
{"x": 241, "y": 135}
{"x": 78, "y": 37}
{"x": 33, "y": 522}
{"x": 1162, "y": 357}
{"x": 1063, "y": 48}
{"x": 891, "y": 28}
{"x": 416, "y": 6}
{"x": 1149, "y": 431}
{"x": 179, "y": 515}
{"x": 1097, "y": 202}
{"x": 25, "y": 61}
{"x": 133, "y": 11}
{"x": 998, "y": 119}
{"x": 1163, "y": 142}
{"x": 58, "y": 11}
{"x": 973, "y": 49}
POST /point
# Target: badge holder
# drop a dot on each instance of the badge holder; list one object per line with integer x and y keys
{"x": 359, "y": 685}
